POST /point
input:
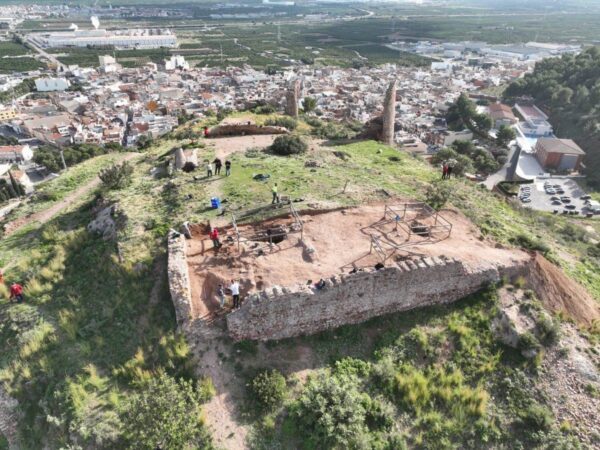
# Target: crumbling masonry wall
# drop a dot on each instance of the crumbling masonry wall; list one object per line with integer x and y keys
{"x": 353, "y": 298}
{"x": 179, "y": 279}
{"x": 389, "y": 115}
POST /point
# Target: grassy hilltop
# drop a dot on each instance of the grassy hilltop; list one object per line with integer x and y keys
{"x": 97, "y": 331}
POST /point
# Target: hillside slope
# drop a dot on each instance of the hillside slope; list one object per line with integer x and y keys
{"x": 98, "y": 324}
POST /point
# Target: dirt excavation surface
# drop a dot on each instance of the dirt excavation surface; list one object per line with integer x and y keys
{"x": 227, "y": 146}
{"x": 335, "y": 242}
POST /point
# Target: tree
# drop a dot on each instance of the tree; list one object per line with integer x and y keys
{"x": 144, "y": 142}
{"x": 563, "y": 96}
{"x": 484, "y": 162}
{"x": 116, "y": 176}
{"x": 483, "y": 122}
{"x": 463, "y": 147}
{"x": 165, "y": 413}
{"x": 505, "y": 135}
{"x": 309, "y": 104}
{"x": 288, "y": 144}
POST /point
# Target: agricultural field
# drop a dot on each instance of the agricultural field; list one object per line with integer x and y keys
{"x": 15, "y": 57}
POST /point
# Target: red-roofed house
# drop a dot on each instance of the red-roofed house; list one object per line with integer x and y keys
{"x": 502, "y": 115}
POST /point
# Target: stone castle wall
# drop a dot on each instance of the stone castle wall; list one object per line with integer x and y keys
{"x": 353, "y": 298}
{"x": 179, "y": 279}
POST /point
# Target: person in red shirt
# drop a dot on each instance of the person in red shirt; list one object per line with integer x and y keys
{"x": 16, "y": 292}
{"x": 205, "y": 132}
{"x": 214, "y": 236}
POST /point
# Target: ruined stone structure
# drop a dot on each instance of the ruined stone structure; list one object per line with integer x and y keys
{"x": 292, "y": 97}
{"x": 179, "y": 279}
{"x": 389, "y": 115}
{"x": 353, "y": 298}
{"x": 183, "y": 157}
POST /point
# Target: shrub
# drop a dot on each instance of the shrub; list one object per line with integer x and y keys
{"x": 289, "y": 144}
{"x": 438, "y": 194}
{"x": 269, "y": 389}
{"x": 333, "y": 131}
{"x": 331, "y": 411}
{"x": 116, "y": 176}
{"x": 282, "y": 121}
{"x": 529, "y": 243}
{"x": 536, "y": 417}
{"x": 164, "y": 412}
{"x": 548, "y": 330}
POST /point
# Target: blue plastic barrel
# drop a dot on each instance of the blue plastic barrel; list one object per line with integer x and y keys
{"x": 215, "y": 203}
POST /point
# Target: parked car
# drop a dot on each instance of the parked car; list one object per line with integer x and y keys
{"x": 570, "y": 206}
{"x": 586, "y": 197}
{"x": 565, "y": 199}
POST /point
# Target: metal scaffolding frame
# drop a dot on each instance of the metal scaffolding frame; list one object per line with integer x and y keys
{"x": 297, "y": 226}
{"x": 409, "y": 218}
{"x": 440, "y": 230}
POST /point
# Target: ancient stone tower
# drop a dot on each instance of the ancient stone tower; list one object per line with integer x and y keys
{"x": 291, "y": 98}
{"x": 389, "y": 115}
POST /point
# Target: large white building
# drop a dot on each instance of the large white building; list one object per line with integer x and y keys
{"x": 52, "y": 84}
{"x": 121, "y": 39}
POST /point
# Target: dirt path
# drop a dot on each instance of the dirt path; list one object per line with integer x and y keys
{"x": 47, "y": 214}
{"x": 209, "y": 342}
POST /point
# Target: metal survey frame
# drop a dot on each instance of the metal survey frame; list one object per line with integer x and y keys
{"x": 398, "y": 215}
{"x": 441, "y": 224}
{"x": 299, "y": 227}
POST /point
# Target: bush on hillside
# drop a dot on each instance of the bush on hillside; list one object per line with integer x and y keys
{"x": 116, "y": 176}
{"x": 331, "y": 412}
{"x": 438, "y": 194}
{"x": 289, "y": 144}
{"x": 165, "y": 412}
{"x": 269, "y": 389}
{"x": 282, "y": 121}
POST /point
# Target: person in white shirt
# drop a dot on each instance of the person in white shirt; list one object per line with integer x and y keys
{"x": 209, "y": 171}
{"x": 234, "y": 287}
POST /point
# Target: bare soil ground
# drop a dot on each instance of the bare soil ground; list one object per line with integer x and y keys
{"x": 226, "y": 146}
{"x": 341, "y": 241}
{"x": 560, "y": 293}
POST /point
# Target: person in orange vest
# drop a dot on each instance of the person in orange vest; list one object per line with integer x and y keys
{"x": 214, "y": 236}
{"x": 1, "y": 277}
{"x": 16, "y": 292}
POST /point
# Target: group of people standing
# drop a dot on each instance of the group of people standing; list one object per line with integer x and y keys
{"x": 218, "y": 164}
{"x": 446, "y": 171}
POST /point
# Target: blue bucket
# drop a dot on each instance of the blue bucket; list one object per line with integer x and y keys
{"x": 215, "y": 203}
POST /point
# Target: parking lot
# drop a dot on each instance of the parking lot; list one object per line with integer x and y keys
{"x": 565, "y": 196}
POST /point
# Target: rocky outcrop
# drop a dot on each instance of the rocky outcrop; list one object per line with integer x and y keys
{"x": 107, "y": 222}
{"x": 185, "y": 159}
